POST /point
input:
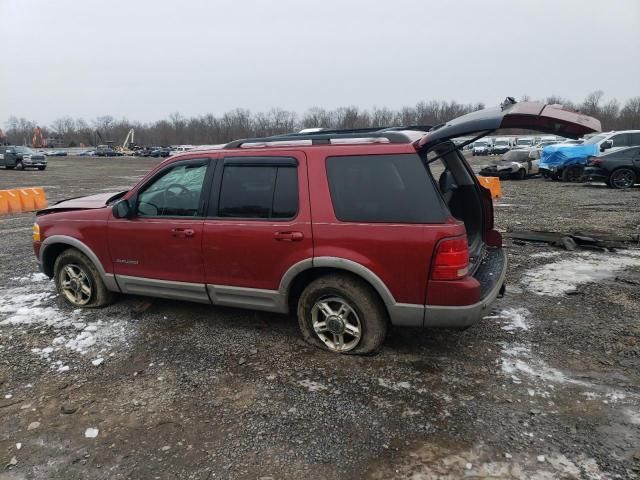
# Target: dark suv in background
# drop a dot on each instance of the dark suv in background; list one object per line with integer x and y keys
{"x": 20, "y": 158}
{"x": 352, "y": 231}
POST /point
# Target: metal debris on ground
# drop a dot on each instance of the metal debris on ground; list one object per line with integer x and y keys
{"x": 571, "y": 241}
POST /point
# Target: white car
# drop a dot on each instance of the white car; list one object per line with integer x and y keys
{"x": 180, "y": 149}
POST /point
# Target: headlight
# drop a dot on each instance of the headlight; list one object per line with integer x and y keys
{"x": 36, "y": 232}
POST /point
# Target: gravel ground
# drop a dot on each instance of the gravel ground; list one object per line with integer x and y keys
{"x": 547, "y": 386}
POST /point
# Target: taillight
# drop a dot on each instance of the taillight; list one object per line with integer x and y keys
{"x": 451, "y": 259}
{"x": 594, "y": 161}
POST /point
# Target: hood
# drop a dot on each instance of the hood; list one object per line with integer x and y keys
{"x": 553, "y": 119}
{"x": 84, "y": 203}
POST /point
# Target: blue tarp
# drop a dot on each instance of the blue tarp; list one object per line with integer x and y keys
{"x": 564, "y": 155}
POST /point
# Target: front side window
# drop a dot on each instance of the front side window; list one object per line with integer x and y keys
{"x": 176, "y": 193}
{"x": 382, "y": 189}
{"x": 257, "y": 191}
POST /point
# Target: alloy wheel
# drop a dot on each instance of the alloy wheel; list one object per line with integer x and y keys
{"x": 623, "y": 179}
{"x": 336, "y": 323}
{"x": 75, "y": 284}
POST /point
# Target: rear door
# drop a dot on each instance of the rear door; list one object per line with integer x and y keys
{"x": 257, "y": 227}
{"x": 540, "y": 117}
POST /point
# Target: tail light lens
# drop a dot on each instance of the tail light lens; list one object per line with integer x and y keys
{"x": 451, "y": 260}
{"x": 594, "y": 161}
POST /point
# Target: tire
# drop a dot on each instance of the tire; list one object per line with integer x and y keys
{"x": 572, "y": 174}
{"x": 366, "y": 313}
{"x": 86, "y": 273}
{"x": 521, "y": 175}
{"x": 622, "y": 178}
{"x": 19, "y": 165}
{"x": 41, "y": 168}
{"x": 8, "y": 167}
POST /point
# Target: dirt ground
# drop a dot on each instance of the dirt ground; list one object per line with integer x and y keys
{"x": 547, "y": 386}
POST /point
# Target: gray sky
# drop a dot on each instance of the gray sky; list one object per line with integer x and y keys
{"x": 143, "y": 59}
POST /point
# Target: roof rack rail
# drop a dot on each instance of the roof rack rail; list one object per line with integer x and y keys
{"x": 322, "y": 138}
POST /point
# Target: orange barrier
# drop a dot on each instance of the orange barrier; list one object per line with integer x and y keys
{"x": 493, "y": 184}
{"x": 4, "y": 203}
{"x": 22, "y": 200}
{"x": 39, "y": 197}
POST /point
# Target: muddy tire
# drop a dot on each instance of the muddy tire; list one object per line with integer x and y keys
{"x": 19, "y": 165}
{"x": 343, "y": 314}
{"x": 521, "y": 175}
{"x": 78, "y": 281}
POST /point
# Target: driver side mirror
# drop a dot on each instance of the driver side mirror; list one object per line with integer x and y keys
{"x": 606, "y": 145}
{"x": 123, "y": 209}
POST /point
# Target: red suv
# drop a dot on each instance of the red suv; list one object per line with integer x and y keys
{"x": 352, "y": 230}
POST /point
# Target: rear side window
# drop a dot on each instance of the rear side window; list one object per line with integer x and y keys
{"x": 621, "y": 140}
{"x": 383, "y": 189}
{"x": 634, "y": 139}
{"x": 255, "y": 191}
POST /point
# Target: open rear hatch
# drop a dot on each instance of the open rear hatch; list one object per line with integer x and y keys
{"x": 552, "y": 119}
{"x": 461, "y": 191}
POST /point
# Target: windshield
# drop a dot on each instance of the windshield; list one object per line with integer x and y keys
{"x": 502, "y": 142}
{"x": 595, "y": 139}
{"x": 480, "y": 144}
{"x": 525, "y": 142}
{"x": 23, "y": 150}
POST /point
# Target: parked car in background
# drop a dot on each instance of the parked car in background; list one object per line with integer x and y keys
{"x": 56, "y": 153}
{"x": 304, "y": 223}
{"x": 515, "y": 164}
{"x": 106, "y": 151}
{"x": 567, "y": 162}
{"x": 536, "y": 151}
{"x": 162, "y": 152}
{"x": 144, "y": 151}
{"x": 180, "y": 149}
{"x": 87, "y": 153}
{"x": 524, "y": 142}
{"x": 502, "y": 145}
{"x": 21, "y": 158}
{"x": 481, "y": 147}
{"x": 618, "y": 169}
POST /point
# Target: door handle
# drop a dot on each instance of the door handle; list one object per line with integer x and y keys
{"x": 288, "y": 236}
{"x": 183, "y": 232}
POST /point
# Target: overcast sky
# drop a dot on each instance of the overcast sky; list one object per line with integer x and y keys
{"x": 143, "y": 59}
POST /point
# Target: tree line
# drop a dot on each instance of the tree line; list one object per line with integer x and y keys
{"x": 241, "y": 123}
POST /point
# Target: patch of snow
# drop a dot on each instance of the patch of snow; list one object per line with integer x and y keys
{"x": 91, "y": 433}
{"x": 545, "y": 254}
{"x": 97, "y": 361}
{"x": 393, "y": 385}
{"x": 516, "y": 318}
{"x": 312, "y": 386}
{"x": 558, "y": 278}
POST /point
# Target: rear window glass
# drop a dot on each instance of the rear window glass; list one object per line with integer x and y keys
{"x": 383, "y": 189}
{"x": 259, "y": 192}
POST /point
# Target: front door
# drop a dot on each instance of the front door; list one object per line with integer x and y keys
{"x": 158, "y": 251}
{"x": 258, "y": 226}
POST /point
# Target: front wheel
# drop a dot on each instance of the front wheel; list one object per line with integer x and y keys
{"x": 79, "y": 282}
{"x": 41, "y": 168}
{"x": 521, "y": 175}
{"x": 19, "y": 165}
{"x": 343, "y": 314}
{"x": 622, "y": 178}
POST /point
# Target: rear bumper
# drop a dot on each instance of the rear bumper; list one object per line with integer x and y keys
{"x": 491, "y": 276}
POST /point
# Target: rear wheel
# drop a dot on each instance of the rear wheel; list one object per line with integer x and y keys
{"x": 521, "y": 175}
{"x": 622, "y": 178}
{"x": 79, "y": 282}
{"x": 19, "y": 165}
{"x": 572, "y": 174}
{"x": 343, "y": 314}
